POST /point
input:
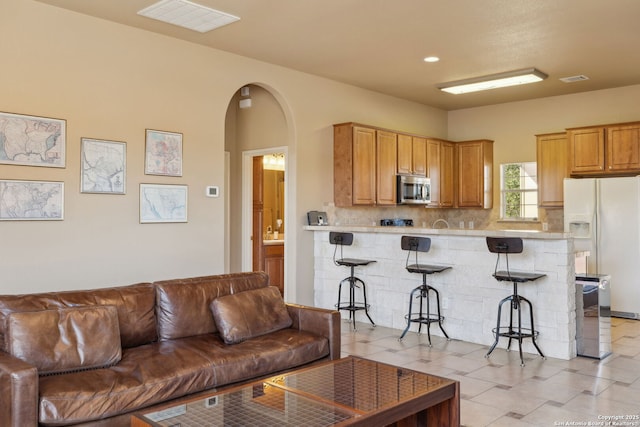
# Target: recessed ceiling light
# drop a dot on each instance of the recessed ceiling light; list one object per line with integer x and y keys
{"x": 431, "y": 59}
{"x": 188, "y": 15}
{"x": 493, "y": 81}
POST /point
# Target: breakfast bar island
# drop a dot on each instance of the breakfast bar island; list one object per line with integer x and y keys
{"x": 469, "y": 295}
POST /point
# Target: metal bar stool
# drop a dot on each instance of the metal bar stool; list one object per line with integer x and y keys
{"x": 506, "y": 246}
{"x": 346, "y": 239}
{"x": 415, "y": 245}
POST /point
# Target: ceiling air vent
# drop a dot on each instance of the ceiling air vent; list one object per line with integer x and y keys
{"x": 188, "y": 15}
{"x": 572, "y": 79}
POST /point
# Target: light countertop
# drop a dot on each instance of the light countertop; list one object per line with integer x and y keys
{"x": 525, "y": 234}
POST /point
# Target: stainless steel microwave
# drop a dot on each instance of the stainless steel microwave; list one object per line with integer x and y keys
{"x": 413, "y": 190}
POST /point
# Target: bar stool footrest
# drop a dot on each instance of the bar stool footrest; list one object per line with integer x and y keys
{"x": 352, "y": 306}
{"x": 423, "y": 318}
{"x": 507, "y": 332}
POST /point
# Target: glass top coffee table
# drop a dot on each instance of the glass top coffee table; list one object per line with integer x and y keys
{"x": 347, "y": 392}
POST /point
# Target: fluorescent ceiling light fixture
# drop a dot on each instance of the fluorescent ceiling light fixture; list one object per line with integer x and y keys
{"x": 494, "y": 81}
{"x": 188, "y": 15}
{"x": 431, "y": 59}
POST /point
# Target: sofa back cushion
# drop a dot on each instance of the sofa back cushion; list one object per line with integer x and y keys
{"x": 135, "y": 305}
{"x": 65, "y": 339}
{"x": 250, "y": 314}
{"x": 183, "y": 304}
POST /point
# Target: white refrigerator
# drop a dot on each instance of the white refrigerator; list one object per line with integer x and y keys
{"x": 603, "y": 215}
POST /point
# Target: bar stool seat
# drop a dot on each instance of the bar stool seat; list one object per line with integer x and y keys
{"x": 353, "y": 262}
{"x": 512, "y": 245}
{"x": 346, "y": 239}
{"x": 516, "y": 276}
{"x": 414, "y": 245}
{"x": 426, "y": 268}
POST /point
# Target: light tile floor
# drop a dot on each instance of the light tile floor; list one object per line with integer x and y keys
{"x": 499, "y": 392}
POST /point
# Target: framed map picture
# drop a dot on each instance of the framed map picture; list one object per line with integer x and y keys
{"x": 104, "y": 166}
{"x": 32, "y": 141}
{"x": 31, "y": 200}
{"x": 163, "y": 153}
{"x": 163, "y": 203}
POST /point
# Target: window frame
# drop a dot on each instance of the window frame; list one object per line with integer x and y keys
{"x": 526, "y": 193}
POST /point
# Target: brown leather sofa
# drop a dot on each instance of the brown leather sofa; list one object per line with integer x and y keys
{"x": 92, "y": 357}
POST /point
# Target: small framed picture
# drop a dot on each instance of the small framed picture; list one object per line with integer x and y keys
{"x": 163, "y": 153}
{"x": 163, "y": 203}
{"x": 32, "y": 141}
{"x": 31, "y": 200}
{"x": 104, "y": 166}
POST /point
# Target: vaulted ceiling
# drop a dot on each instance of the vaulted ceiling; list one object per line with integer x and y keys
{"x": 380, "y": 44}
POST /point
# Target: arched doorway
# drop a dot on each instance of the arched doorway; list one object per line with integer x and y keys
{"x": 266, "y": 220}
{"x": 256, "y": 128}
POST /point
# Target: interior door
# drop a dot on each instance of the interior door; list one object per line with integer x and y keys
{"x": 258, "y": 215}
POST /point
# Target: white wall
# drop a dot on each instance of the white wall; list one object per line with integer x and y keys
{"x": 513, "y": 126}
{"x": 110, "y": 81}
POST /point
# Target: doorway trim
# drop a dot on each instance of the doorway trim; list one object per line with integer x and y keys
{"x": 247, "y": 203}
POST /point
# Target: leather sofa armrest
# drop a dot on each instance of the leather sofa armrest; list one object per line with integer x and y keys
{"x": 320, "y": 321}
{"x": 19, "y": 391}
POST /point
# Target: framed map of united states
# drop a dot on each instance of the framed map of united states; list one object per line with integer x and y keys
{"x": 32, "y": 141}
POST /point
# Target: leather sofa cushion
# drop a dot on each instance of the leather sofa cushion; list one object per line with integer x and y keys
{"x": 250, "y": 314}
{"x": 65, "y": 339}
{"x": 155, "y": 373}
{"x": 183, "y": 305}
{"x": 135, "y": 305}
{"x": 268, "y": 354}
{"x": 146, "y": 375}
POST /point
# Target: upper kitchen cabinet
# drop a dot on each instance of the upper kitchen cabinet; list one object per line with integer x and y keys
{"x": 367, "y": 159}
{"x": 623, "y": 148}
{"x": 386, "y": 159}
{"x": 440, "y": 170}
{"x": 475, "y": 174}
{"x": 586, "y": 150}
{"x": 552, "y": 151}
{"x": 412, "y": 155}
{"x": 364, "y": 166}
{"x": 354, "y": 165}
{"x": 601, "y": 150}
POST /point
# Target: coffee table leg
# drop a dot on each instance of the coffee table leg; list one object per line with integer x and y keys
{"x": 444, "y": 414}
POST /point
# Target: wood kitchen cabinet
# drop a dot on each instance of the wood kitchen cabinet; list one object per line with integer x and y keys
{"x": 623, "y": 148}
{"x": 274, "y": 265}
{"x": 474, "y": 174}
{"x": 412, "y": 155}
{"x": 354, "y": 165}
{"x": 552, "y": 161}
{"x": 586, "y": 150}
{"x": 440, "y": 170}
{"x": 364, "y": 165}
{"x": 605, "y": 150}
{"x": 386, "y": 160}
{"x": 367, "y": 159}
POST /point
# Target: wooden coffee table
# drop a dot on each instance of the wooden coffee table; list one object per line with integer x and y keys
{"x": 347, "y": 392}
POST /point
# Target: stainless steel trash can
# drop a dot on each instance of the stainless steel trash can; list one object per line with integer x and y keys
{"x": 593, "y": 315}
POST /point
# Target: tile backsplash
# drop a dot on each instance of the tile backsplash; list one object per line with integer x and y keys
{"x": 456, "y": 218}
